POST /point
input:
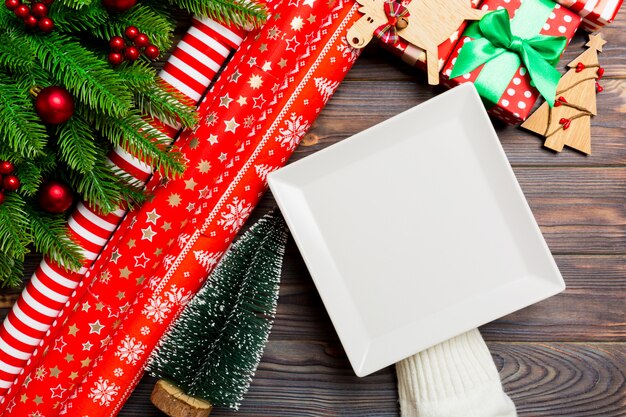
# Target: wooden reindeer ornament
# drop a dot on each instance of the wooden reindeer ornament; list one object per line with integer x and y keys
{"x": 423, "y": 23}
{"x": 568, "y": 122}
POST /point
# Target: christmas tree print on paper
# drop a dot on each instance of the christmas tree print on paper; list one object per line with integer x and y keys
{"x": 568, "y": 122}
{"x": 216, "y": 344}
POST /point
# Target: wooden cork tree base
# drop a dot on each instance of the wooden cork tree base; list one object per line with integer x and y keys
{"x": 175, "y": 403}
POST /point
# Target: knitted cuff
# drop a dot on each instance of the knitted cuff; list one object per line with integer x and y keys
{"x": 454, "y": 378}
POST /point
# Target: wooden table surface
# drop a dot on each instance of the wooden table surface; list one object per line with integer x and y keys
{"x": 565, "y": 356}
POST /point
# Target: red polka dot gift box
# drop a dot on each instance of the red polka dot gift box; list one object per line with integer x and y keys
{"x": 511, "y": 55}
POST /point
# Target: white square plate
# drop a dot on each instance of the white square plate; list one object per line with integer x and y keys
{"x": 416, "y": 230}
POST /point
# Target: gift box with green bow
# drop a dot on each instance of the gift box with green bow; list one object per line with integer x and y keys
{"x": 511, "y": 55}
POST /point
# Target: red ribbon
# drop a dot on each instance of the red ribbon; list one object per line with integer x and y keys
{"x": 388, "y": 32}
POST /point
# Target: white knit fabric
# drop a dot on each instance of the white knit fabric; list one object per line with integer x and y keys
{"x": 456, "y": 378}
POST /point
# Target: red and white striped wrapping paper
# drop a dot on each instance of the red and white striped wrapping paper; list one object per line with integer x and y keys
{"x": 202, "y": 50}
{"x": 595, "y": 13}
{"x": 310, "y": 84}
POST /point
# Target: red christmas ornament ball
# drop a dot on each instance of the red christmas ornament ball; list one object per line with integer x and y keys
{"x": 55, "y": 197}
{"x": 54, "y": 105}
{"x": 152, "y": 52}
{"x": 118, "y": 6}
{"x": 131, "y": 32}
{"x": 12, "y": 4}
{"x": 6, "y": 167}
{"x": 117, "y": 43}
{"x": 142, "y": 40}
{"x": 115, "y": 58}
{"x": 131, "y": 53}
{"x": 39, "y": 10}
{"x": 31, "y": 22}
{"x": 11, "y": 183}
{"x": 45, "y": 24}
{"x": 21, "y": 11}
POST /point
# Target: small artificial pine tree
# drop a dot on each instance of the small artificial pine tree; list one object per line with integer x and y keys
{"x": 568, "y": 122}
{"x": 216, "y": 344}
{"x": 68, "y": 49}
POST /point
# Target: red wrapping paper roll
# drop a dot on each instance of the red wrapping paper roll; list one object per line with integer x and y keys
{"x": 205, "y": 47}
{"x": 90, "y": 327}
{"x": 318, "y": 72}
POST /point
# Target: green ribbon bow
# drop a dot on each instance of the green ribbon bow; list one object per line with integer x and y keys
{"x": 499, "y": 46}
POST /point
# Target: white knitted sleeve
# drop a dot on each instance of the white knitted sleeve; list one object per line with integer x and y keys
{"x": 456, "y": 378}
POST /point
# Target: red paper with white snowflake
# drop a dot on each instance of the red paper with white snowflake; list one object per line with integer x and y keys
{"x": 595, "y": 13}
{"x": 416, "y": 57}
{"x": 317, "y": 73}
{"x": 125, "y": 264}
{"x": 518, "y": 99}
{"x": 203, "y": 49}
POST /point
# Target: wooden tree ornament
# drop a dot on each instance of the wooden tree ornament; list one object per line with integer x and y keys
{"x": 427, "y": 24}
{"x": 569, "y": 121}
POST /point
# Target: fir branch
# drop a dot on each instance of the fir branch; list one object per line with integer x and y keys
{"x": 166, "y": 104}
{"x": 76, "y": 144}
{"x": 99, "y": 186}
{"x": 75, "y": 4}
{"x": 98, "y": 22}
{"x": 14, "y": 224}
{"x": 15, "y": 54}
{"x": 89, "y": 78}
{"x": 138, "y": 76}
{"x": 21, "y": 129}
{"x": 238, "y": 12}
{"x": 10, "y": 270}
{"x": 215, "y": 346}
{"x": 144, "y": 141}
{"x": 50, "y": 237}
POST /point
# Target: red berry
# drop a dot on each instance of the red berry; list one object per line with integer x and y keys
{"x": 31, "y": 22}
{"x": 115, "y": 58}
{"x": 131, "y": 53}
{"x": 600, "y": 73}
{"x": 12, "y": 4}
{"x": 580, "y": 66}
{"x": 117, "y": 43}
{"x": 39, "y": 10}
{"x": 142, "y": 40}
{"x": 45, "y": 24}
{"x": 11, "y": 183}
{"x": 1, "y": 197}
{"x": 599, "y": 88}
{"x": 21, "y": 11}
{"x": 152, "y": 52}
{"x": 6, "y": 167}
{"x": 131, "y": 32}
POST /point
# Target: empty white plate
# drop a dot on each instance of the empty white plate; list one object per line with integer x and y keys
{"x": 416, "y": 230}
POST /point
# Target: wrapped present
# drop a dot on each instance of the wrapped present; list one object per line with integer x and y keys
{"x": 595, "y": 13}
{"x": 416, "y": 56}
{"x": 511, "y": 53}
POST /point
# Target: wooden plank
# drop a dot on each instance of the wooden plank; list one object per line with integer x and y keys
{"x": 313, "y": 378}
{"x": 355, "y": 107}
